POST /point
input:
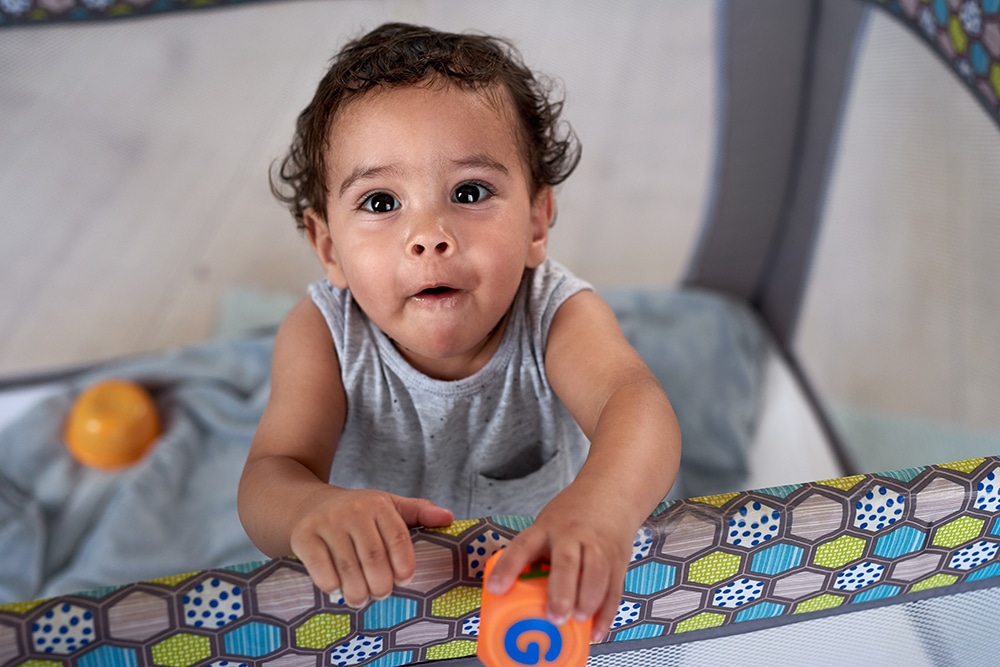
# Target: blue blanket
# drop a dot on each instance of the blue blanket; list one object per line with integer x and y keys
{"x": 66, "y": 528}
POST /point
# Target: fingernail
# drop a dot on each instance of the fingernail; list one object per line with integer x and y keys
{"x": 597, "y": 636}
{"x": 558, "y": 620}
{"x": 581, "y": 617}
{"x": 407, "y": 581}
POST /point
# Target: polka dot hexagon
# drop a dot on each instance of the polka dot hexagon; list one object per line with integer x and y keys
{"x": 753, "y": 524}
{"x": 213, "y": 603}
{"x": 879, "y": 508}
{"x": 357, "y": 650}
{"x": 988, "y": 492}
{"x": 63, "y": 629}
{"x": 738, "y": 593}
{"x": 859, "y": 576}
{"x": 973, "y": 555}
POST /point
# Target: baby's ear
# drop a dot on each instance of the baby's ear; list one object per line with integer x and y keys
{"x": 318, "y": 232}
{"x": 543, "y": 208}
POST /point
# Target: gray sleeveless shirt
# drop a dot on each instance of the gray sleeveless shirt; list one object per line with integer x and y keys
{"x": 497, "y": 442}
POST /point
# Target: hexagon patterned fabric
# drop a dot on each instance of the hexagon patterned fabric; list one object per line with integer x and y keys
{"x": 696, "y": 564}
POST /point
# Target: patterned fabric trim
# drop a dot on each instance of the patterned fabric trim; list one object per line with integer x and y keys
{"x": 28, "y": 12}
{"x": 700, "y": 563}
{"x": 965, "y": 34}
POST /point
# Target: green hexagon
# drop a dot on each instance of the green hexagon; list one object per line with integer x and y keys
{"x": 961, "y": 530}
{"x": 705, "y": 619}
{"x": 459, "y": 601}
{"x": 825, "y": 601}
{"x": 936, "y": 581}
{"x": 322, "y": 630}
{"x": 458, "y": 648}
{"x": 714, "y": 567}
{"x": 182, "y": 650}
{"x": 839, "y": 552}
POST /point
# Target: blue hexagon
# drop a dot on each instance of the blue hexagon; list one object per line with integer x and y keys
{"x": 109, "y": 655}
{"x": 641, "y": 631}
{"x": 879, "y": 592}
{"x": 391, "y": 611}
{"x": 991, "y": 570}
{"x": 253, "y": 639}
{"x": 776, "y": 559}
{"x": 649, "y": 578}
{"x": 760, "y": 610}
{"x": 900, "y": 542}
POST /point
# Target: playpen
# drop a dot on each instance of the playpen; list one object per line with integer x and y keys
{"x": 895, "y": 567}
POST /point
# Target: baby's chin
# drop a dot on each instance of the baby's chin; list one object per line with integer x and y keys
{"x": 444, "y": 357}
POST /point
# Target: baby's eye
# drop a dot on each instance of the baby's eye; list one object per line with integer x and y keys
{"x": 380, "y": 202}
{"x": 470, "y": 193}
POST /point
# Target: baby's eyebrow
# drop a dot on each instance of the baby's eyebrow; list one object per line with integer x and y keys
{"x": 482, "y": 161}
{"x": 365, "y": 172}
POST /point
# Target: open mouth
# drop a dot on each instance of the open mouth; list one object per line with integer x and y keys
{"x": 440, "y": 290}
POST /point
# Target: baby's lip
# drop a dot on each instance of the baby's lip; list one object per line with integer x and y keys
{"x": 433, "y": 290}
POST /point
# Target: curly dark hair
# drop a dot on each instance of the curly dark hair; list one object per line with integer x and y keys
{"x": 399, "y": 54}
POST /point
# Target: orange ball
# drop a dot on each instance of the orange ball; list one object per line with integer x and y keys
{"x": 112, "y": 424}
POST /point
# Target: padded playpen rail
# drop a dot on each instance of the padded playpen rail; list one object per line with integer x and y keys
{"x": 703, "y": 566}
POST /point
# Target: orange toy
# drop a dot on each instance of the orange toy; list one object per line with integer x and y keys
{"x": 112, "y": 424}
{"x": 514, "y": 630}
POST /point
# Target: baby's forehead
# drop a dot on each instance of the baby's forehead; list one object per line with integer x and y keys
{"x": 494, "y": 96}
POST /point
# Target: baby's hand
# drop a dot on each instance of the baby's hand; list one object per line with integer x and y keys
{"x": 588, "y": 557}
{"x": 358, "y": 541}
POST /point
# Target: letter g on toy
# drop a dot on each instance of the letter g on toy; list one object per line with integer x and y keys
{"x": 523, "y": 641}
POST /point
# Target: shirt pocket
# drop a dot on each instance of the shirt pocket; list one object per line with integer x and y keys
{"x": 520, "y": 496}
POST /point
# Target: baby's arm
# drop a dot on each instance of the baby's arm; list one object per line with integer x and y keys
{"x": 357, "y": 541}
{"x": 587, "y": 530}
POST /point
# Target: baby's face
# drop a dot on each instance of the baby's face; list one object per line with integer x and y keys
{"x": 431, "y": 221}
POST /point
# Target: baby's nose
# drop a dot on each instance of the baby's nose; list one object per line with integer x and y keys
{"x": 431, "y": 239}
{"x": 420, "y": 247}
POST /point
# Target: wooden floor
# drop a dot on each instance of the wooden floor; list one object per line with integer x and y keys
{"x": 134, "y": 203}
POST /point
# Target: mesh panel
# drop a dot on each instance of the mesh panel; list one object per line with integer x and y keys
{"x": 902, "y": 311}
{"x": 949, "y": 630}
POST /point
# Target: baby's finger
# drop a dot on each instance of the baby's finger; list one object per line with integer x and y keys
{"x": 315, "y": 555}
{"x": 399, "y": 546}
{"x": 526, "y": 548}
{"x": 603, "y": 620}
{"x": 595, "y": 580}
{"x": 374, "y": 560}
{"x": 564, "y": 580}
{"x": 353, "y": 585}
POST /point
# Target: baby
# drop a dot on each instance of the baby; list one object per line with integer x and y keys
{"x": 445, "y": 367}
